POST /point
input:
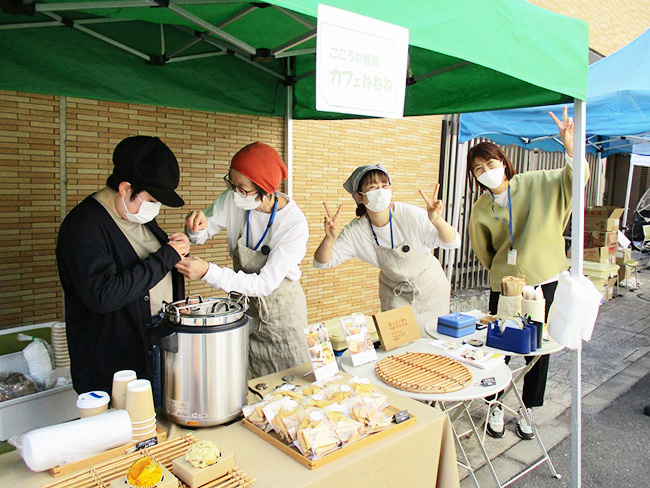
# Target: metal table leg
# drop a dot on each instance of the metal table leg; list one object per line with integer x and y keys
{"x": 463, "y": 409}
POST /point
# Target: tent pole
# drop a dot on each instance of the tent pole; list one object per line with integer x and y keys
{"x": 577, "y": 249}
{"x": 630, "y": 174}
{"x": 461, "y": 176}
{"x": 288, "y": 129}
{"x": 599, "y": 183}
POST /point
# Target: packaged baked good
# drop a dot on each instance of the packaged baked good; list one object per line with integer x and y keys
{"x": 373, "y": 420}
{"x": 345, "y": 428}
{"x": 202, "y": 454}
{"x": 317, "y": 437}
{"x": 144, "y": 473}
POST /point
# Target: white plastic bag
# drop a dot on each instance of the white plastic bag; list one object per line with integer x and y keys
{"x": 39, "y": 360}
{"x": 574, "y": 310}
{"x": 68, "y": 442}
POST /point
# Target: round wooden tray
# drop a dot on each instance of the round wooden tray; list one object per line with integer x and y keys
{"x": 423, "y": 372}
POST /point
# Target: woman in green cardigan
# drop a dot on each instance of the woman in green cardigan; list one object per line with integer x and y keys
{"x": 516, "y": 227}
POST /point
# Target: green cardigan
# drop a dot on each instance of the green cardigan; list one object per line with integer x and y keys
{"x": 541, "y": 207}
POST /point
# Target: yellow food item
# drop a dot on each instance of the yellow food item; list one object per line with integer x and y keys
{"x": 144, "y": 472}
{"x": 202, "y": 454}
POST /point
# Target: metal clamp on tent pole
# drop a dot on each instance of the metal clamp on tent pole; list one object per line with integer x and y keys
{"x": 17, "y": 7}
{"x": 263, "y": 55}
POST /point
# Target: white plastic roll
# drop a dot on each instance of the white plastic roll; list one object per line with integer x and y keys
{"x": 68, "y": 442}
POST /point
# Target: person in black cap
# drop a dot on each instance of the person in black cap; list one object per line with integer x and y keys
{"x": 116, "y": 265}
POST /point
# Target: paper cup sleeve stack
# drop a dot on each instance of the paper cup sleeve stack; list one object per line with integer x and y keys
{"x": 519, "y": 299}
{"x": 60, "y": 345}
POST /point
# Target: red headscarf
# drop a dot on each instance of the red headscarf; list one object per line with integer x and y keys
{"x": 261, "y": 164}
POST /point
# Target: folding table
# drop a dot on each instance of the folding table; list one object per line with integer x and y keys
{"x": 455, "y": 403}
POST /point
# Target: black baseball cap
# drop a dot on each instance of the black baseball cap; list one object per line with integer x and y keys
{"x": 147, "y": 162}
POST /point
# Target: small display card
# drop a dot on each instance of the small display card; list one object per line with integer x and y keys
{"x": 321, "y": 353}
{"x": 396, "y": 327}
{"x": 357, "y": 336}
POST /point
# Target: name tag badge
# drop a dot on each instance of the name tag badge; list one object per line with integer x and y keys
{"x": 512, "y": 257}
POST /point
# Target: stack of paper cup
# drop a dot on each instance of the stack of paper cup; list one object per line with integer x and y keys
{"x": 139, "y": 404}
{"x": 60, "y": 345}
{"x": 118, "y": 391}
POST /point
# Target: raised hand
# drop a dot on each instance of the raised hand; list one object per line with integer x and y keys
{"x": 330, "y": 222}
{"x": 565, "y": 128}
{"x": 434, "y": 206}
{"x": 196, "y": 221}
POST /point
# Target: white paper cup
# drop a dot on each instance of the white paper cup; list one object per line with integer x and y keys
{"x": 92, "y": 403}
{"x": 118, "y": 393}
{"x": 139, "y": 400}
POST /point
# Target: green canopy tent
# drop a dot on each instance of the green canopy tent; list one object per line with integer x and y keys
{"x": 259, "y": 58}
{"x": 237, "y": 57}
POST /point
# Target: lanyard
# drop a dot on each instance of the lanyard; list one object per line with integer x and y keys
{"x": 390, "y": 222}
{"x": 268, "y": 226}
{"x": 510, "y": 221}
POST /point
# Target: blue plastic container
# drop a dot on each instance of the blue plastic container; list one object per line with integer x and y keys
{"x": 456, "y": 324}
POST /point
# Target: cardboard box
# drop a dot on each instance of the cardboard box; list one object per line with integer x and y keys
{"x": 604, "y": 255}
{"x": 623, "y": 255}
{"x": 611, "y": 285}
{"x": 603, "y": 219}
{"x": 30, "y": 412}
{"x": 595, "y": 238}
{"x": 624, "y": 273}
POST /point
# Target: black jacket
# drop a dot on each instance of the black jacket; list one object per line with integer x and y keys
{"x": 106, "y": 288}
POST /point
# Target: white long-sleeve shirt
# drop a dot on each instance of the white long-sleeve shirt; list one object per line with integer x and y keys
{"x": 356, "y": 239}
{"x": 287, "y": 240}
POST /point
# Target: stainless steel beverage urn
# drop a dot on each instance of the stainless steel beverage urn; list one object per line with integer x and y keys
{"x": 204, "y": 345}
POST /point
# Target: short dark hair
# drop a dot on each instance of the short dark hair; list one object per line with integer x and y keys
{"x": 371, "y": 176}
{"x": 113, "y": 182}
{"x": 487, "y": 151}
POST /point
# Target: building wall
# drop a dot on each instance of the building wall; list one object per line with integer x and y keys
{"x": 325, "y": 152}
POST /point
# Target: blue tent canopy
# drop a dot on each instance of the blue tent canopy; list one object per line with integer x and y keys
{"x": 618, "y": 109}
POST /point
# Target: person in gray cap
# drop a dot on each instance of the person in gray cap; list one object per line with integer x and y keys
{"x": 116, "y": 265}
{"x": 397, "y": 238}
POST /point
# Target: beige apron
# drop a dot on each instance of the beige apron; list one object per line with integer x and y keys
{"x": 409, "y": 278}
{"x": 276, "y": 340}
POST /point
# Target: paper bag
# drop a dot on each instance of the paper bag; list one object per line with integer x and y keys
{"x": 534, "y": 308}
{"x": 508, "y": 306}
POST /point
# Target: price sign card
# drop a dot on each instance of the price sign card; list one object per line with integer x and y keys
{"x": 321, "y": 353}
{"x": 361, "y": 64}
{"x": 357, "y": 336}
{"x": 396, "y": 327}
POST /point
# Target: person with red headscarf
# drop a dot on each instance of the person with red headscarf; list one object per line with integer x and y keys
{"x": 267, "y": 240}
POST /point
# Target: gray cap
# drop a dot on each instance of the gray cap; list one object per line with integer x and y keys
{"x": 351, "y": 185}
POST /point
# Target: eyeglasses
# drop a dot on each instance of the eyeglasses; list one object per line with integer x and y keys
{"x": 231, "y": 186}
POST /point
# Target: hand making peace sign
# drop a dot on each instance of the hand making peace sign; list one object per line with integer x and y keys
{"x": 565, "y": 127}
{"x": 434, "y": 206}
{"x": 330, "y": 222}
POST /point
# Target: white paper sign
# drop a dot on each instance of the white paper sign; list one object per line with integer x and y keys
{"x": 361, "y": 64}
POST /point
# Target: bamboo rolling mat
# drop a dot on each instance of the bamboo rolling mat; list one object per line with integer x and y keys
{"x": 422, "y": 372}
{"x": 101, "y": 475}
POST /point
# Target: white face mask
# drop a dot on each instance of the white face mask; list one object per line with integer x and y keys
{"x": 492, "y": 178}
{"x": 148, "y": 211}
{"x": 247, "y": 203}
{"x": 378, "y": 200}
